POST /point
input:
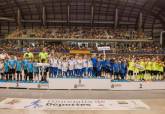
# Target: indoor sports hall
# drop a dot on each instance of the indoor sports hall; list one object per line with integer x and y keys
{"x": 82, "y": 56}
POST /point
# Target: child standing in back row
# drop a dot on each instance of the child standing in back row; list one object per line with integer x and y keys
{"x": 36, "y": 72}
{"x": 12, "y": 66}
{"x": 71, "y": 67}
{"x": 85, "y": 66}
{"x": 19, "y": 69}
{"x": 1, "y": 69}
{"x": 30, "y": 70}
{"x": 90, "y": 67}
{"x": 25, "y": 63}
{"x": 6, "y": 69}
{"x": 64, "y": 67}
{"x": 116, "y": 70}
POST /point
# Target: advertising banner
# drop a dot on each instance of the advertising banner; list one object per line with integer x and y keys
{"x": 72, "y": 104}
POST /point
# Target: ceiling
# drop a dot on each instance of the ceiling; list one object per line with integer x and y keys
{"x": 88, "y": 11}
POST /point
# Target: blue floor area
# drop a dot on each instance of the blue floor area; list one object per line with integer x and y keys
{"x": 14, "y": 81}
{"x": 119, "y": 81}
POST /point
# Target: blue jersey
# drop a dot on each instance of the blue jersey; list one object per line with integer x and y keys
{"x": 99, "y": 66}
{"x": 12, "y": 63}
{"x": 18, "y": 65}
{"x": 123, "y": 69}
{"x": 116, "y": 67}
{"x": 35, "y": 68}
{"x": 94, "y": 61}
{"x": 30, "y": 67}
{"x": 110, "y": 65}
{"x": 25, "y": 63}
{"x": 103, "y": 63}
{"x": 6, "y": 66}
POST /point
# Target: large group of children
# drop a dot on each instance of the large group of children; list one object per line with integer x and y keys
{"x": 60, "y": 65}
{"x": 101, "y": 66}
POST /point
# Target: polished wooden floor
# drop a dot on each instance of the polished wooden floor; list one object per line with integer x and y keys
{"x": 153, "y": 98}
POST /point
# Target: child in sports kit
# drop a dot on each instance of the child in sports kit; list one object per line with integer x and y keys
{"x": 123, "y": 69}
{"x": 19, "y": 69}
{"x": 110, "y": 67}
{"x": 71, "y": 67}
{"x": 160, "y": 70}
{"x": 157, "y": 69}
{"x": 161, "y": 65}
{"x": 99, "y": 67}
{"x": 64, "y": 67}
{"x": 85, "y": 66}
{"x": 30, "y": 70}
{"x": 142, "y": 69}
{"x": 36, "y": 76}
{"x": 116, "y": 70}
{"x": 103, "y": 67}
{"x": 1, "y": 69}
{"x": 76, "y": 66}
{"x": 90, "y": 67}
{"x": 51, "y": 65}
{"x": 107, "y": 68}
{"x": 44, "y": 70}
{"x": 55, "y": 67}
{"x": 136, "y": 69}
{"x": 131, "y": 65}
{"x": 12, "y": 66}
{"x": 59, "y": 65}
{"x": 6, "y": 69}
{"x": 25, "y": 63}
{"x": 149, "y": 68}
{"x": 79, "y": 67}
{"x": 94, "y": 61}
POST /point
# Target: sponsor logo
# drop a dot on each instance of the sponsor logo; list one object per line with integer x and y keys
{"x": 65, "y": 103}
{"x": 12, "y": 102}
{"x": 122, "y": 102}
{"x": 17, "y": 84}
{"x": 79, "y": 84}
{"x": 140, "y": 85}
{"x": 42, "y": 85}
{"x": 100, "y": 103}
{"x": 34, "y": 104}
{"x": 115, "y": 85}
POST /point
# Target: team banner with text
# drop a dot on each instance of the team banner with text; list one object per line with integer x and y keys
{"x": 80, "y": 52}
{"x": 72, "y": 104}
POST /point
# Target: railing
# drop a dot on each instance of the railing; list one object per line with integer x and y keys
{"x": 78, "y": 39}
{"x": 107, "y": 53}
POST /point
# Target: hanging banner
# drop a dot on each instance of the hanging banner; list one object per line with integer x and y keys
{"x": 104, "y": 48}
{"x": 79, "y": 52}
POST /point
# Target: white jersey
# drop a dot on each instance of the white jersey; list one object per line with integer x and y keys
{"x": 64, "y": 66}
{"x": 3, "y": 55}
{"x": 75, "y": 64}
{"x": 1, "y": 66}
{"x": 79, "y": 64}
{"x": 71, "y": 64}
{"x": 51, "y": 62}
{"x": 85, "y": 63}
{"x": 15, "y": 57}
{"x": 90, "y": 64}
{"x": 59, "y": 64}
{"x": 55, "y": 63}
